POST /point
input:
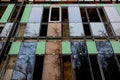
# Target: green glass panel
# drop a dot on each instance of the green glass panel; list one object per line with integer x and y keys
{"x": 46, "y": 5}
{"x": 7, "y": 13}
{"x": 15, "y": 48}
{"x": 82, "y": 5}
{"x": 117, "y": 6}
{"x": 91, "y": 47}
{"x": 115, "y": 46}
{"x": 40, "y": 48}
{"x": 64, "y": 5}
{"x": 26, "y": 13}
{"x": 99, "y": 5}
{"x": 66, "y": 49}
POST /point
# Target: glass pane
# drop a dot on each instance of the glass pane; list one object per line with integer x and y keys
{"x": 76, "y": 29}
{"x": 116, "y": 28}
{"x": 32, "y": 30}
{"x": 23, "y": 67}
{"x": 98, "y": 29}
{"x": 27, "y": 48}
{"x": 78, "y": 47}
{"x": 80, "y": 64}
{"x": 5, "y": 32}
{"x": 104, "y": 47}
{"x": 74, "y": 14}
{"x": 54, "y": 14}
{"x": 36, "y": 14}
{"x": 112, "y": 14}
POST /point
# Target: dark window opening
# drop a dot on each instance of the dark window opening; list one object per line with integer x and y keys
{"x": 2, "y": 10}
{"x": 45, "y": 15}
{"x": 54, "y": 14}
{"x": 65, "y": 30}
{"x": 87, "y": 29}
{"x": 95, "y": 67}
{"x": 82, "y": 71}
{"x": 37, "y": 75}
{"x": 102, "y": 15}
{"x": 43, "y": 30}
{"x": 118, "y": 57}
{"x": 93, "y": 15}
{"x": 64, "y": 15}
{"x": 110, "y": 69}
{"x": 14, "y": 13}
{"x": 83, "y": 14}
{"x": 67, "y": 68}
{"x": 1, "y": 28}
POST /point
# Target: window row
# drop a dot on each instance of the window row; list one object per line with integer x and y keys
{"x": 60, "y": 0}
{"x": 70, "y": 13}
{"x": 80, "y": 65}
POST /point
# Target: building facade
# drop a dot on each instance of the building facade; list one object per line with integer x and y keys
{"x": 59, "y": 40}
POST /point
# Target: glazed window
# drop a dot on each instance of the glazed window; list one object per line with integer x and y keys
{"x": 55, "y": 14}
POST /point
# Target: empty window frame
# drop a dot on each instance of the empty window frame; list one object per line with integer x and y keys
{"x": 74, "y": 14}
{"x": 98, "y": 29}
{"x": 83, "y": 14}
{"x": 87, "y": 29}
{"x": 55, "y": 14}
{"x": 64, "y": 14}
{"x": 15, "y": 12}
{"x": 93, "y": 15}
{"x": 36, "y": 14}
{"x": 45, "y": 15}
{"x": 32, "y": 30}
{"x": 21, "y": 30}
{"x": 76, "y": 29}
{"x": 2, "y": 10}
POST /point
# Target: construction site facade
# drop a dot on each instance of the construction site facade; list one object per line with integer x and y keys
{"x": 59, "y": 40}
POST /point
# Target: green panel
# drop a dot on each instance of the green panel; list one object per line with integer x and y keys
{"x": 91, "y": 47}
{"x": 66, "y": 49}
{"x": 117, "y": 6}
{"x": 99, "y": 5}
{"x": 46, "y": 5}
{"x": 64, "y": 5}
{"x": 82, "y": 5}
{"x": 116, "y": 47}
{"x": 40, "y": 48}
{"x": 26, "y": 13}
{"x": 7, "y": 13}
{"x": 15, "y": 48}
